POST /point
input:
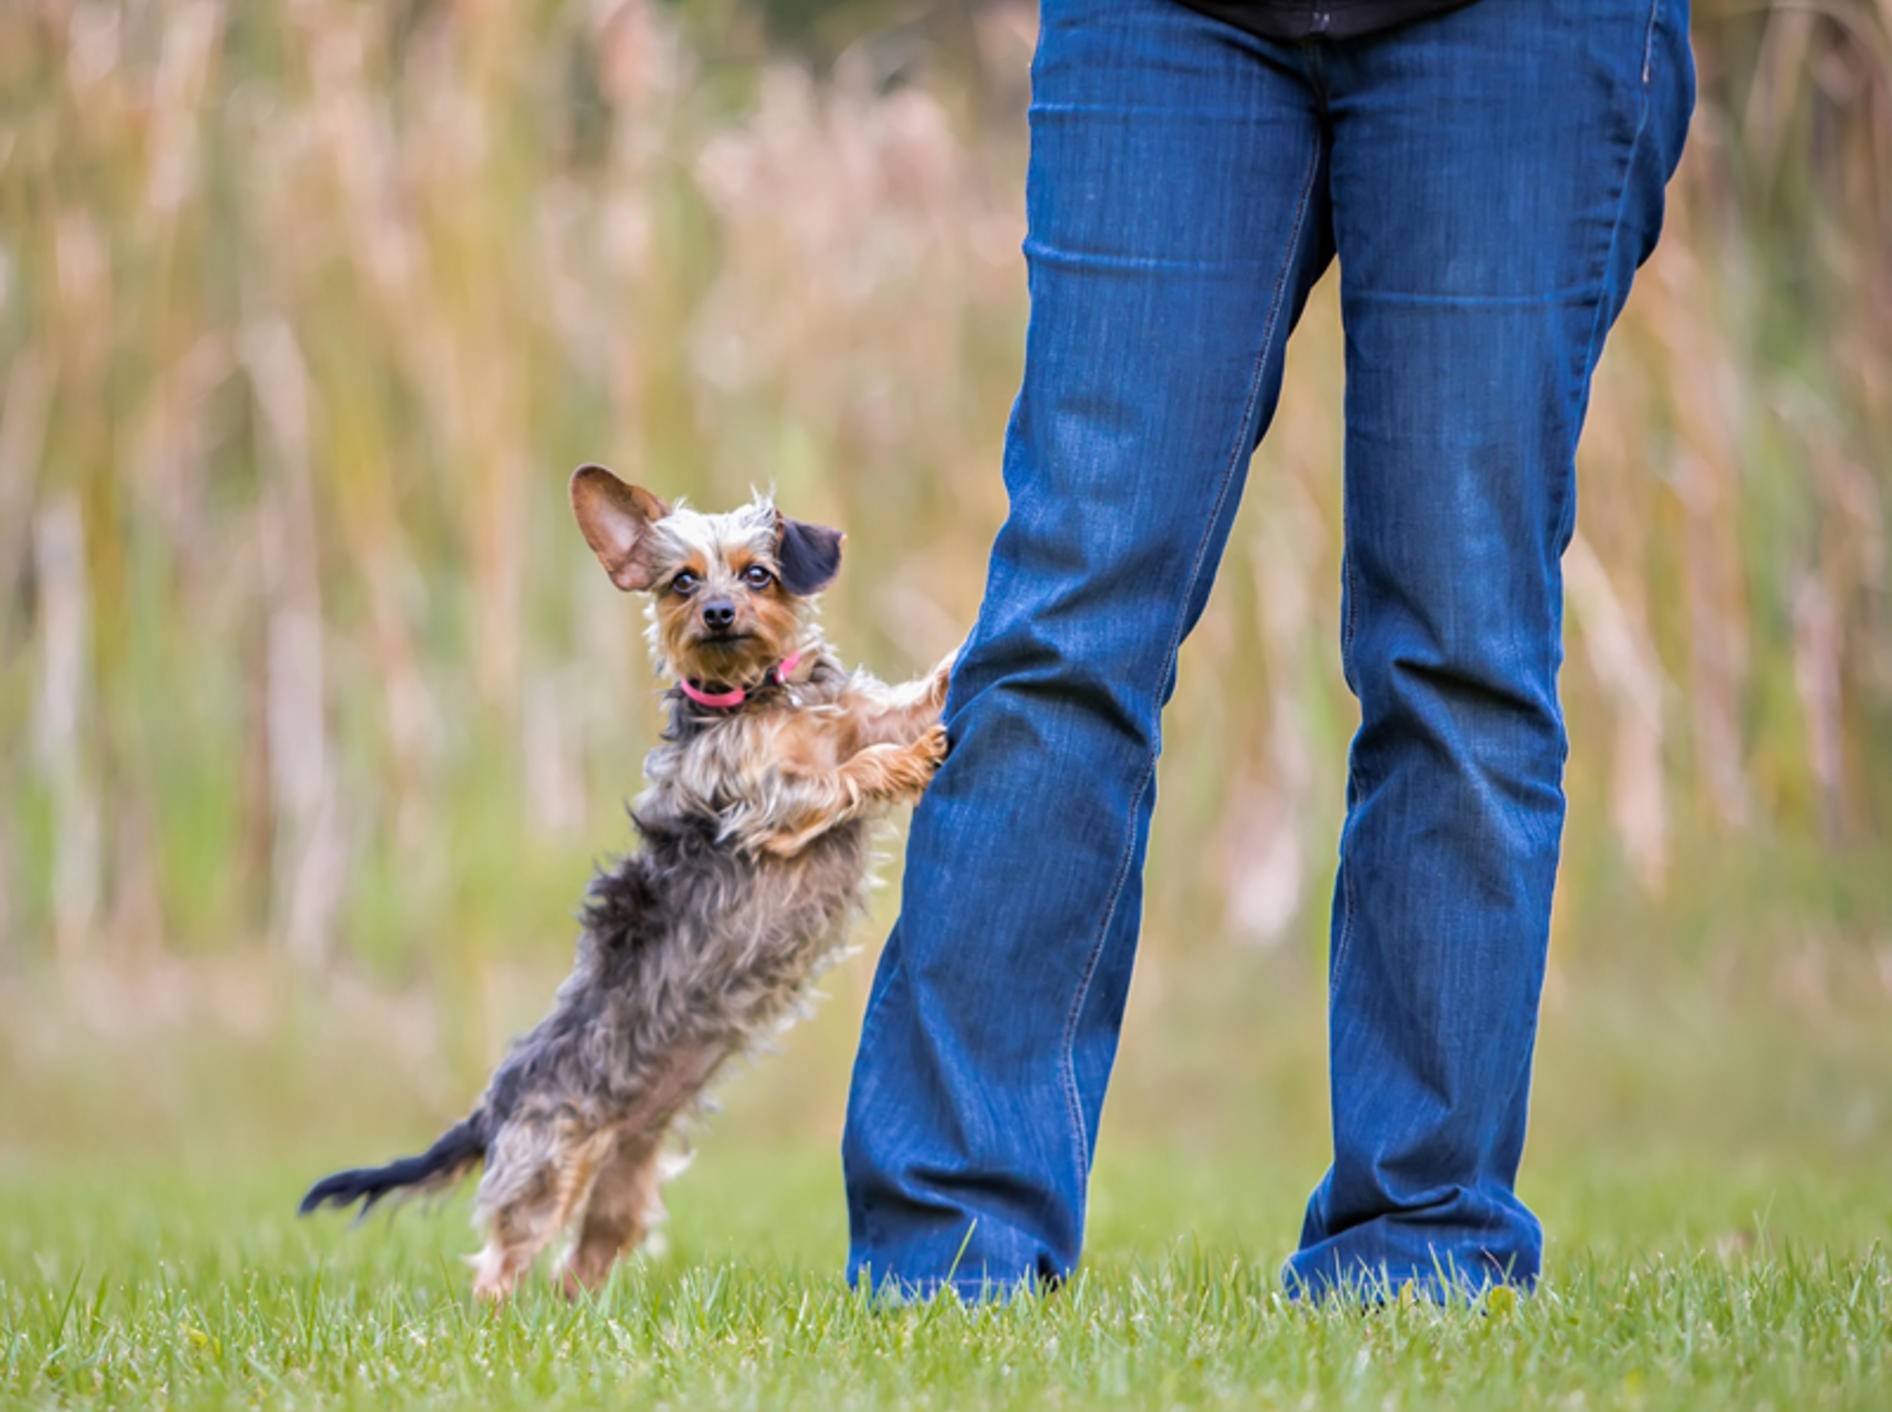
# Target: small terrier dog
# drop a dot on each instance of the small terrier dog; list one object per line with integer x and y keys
{"x": 702, "y": 943}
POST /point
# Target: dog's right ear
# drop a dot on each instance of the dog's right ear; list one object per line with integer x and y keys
{"x": 615, "y": 519}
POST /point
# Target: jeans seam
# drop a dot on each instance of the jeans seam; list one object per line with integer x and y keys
{"x": 1344, "y": 946}
{"x": 1599, "y": 322}
{"x": 1244, "y": 444}
{"x": 868, "y": 1209}
{"x": 1648, "y": 41}
{"x": 877, "y": 995}
{"x": 1067, "y": 1057}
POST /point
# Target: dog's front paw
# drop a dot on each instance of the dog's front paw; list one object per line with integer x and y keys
{"x": 930, "y": 752}
{"x": 906, "y": 770}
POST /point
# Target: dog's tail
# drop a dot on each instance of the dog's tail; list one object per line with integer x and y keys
{"x": 456, "y": 1152}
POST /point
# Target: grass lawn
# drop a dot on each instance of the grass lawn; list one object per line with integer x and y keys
{"x": 1711, "y": 1152}
{"x": 1668, "y": 1287}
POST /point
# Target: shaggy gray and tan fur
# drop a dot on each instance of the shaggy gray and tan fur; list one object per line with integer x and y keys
{"x": 703, "y": 941}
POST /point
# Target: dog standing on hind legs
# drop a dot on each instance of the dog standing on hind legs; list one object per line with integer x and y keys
{"x": 754, "y": 857}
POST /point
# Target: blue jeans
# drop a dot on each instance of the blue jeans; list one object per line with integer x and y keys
{"x": 1490, "y": 180}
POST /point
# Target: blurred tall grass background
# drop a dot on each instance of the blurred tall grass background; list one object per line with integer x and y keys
{"x": 308, "y": 306}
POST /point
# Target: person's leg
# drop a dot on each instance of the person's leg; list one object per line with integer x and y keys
{"x": 1497, "y": 176}
{"x": 1176, "y": 217}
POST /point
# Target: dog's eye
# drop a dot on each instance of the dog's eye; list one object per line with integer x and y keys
{"x": 684, "y": 584}
{"x": 757, "y": 577}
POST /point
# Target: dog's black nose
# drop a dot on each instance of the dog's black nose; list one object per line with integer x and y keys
{"x": 718, "y": 614}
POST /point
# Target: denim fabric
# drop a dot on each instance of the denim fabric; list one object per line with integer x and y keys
{"x": 1489, "y": 179}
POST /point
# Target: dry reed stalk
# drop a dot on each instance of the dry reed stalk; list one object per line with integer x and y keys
{"x": 304, "y": 312}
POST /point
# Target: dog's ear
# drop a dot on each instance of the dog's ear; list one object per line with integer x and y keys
{"x": 615, "y": 519}
{"x": 809, "y": 556}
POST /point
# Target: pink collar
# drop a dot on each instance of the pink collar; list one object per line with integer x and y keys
{"x": 735, "y": 696}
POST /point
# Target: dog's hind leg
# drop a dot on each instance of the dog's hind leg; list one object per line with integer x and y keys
{"x": 623, "y": 1208}
{"x": 538, "y": 1173}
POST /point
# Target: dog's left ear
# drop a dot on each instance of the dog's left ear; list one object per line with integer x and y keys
{"x": 616, "y": 519}
{"x": 809, "y": 556}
